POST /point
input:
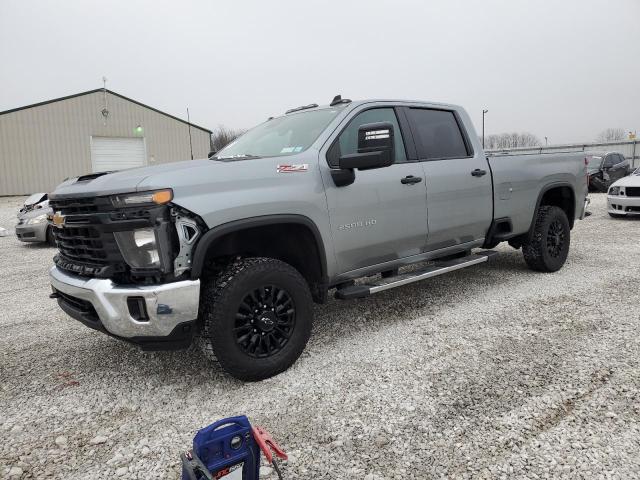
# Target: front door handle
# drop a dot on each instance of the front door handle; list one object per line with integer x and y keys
{"x": 478, "y": 172}
{"x": 410, "y": 179}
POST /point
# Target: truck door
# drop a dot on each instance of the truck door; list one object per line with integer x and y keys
{"x": 382, "y": 215}
{"x": 458, "y": 180}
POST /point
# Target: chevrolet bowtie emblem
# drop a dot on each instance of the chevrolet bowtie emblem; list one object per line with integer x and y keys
{"x": 58, "y": 220}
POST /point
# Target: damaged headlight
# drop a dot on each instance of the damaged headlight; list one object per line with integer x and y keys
{"x": 140, "y": 248}
{"x": 614, "y": 191}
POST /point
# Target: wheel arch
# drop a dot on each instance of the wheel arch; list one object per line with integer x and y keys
{"x": 299, "y": 243}
{"x": 559, "y": 194}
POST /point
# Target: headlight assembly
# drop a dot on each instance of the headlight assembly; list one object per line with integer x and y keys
{"x": 139, "y": 247}
{"x": 156, "y": 197}
{"x": 614, "y": 191}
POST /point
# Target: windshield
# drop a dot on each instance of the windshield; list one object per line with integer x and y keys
{"x": 280, "y": 136}
{"x": 594, "y": 162}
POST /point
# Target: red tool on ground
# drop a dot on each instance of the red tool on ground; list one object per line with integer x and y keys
{"x": 266, "y": 444}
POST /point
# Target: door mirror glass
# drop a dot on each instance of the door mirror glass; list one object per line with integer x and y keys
{"x": 375, "y": 147}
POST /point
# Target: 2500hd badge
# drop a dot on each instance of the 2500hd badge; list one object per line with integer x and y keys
{"x": 362, "y": 223}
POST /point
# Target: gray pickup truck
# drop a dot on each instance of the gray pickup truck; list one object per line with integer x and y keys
{"x": 232, "y": 251}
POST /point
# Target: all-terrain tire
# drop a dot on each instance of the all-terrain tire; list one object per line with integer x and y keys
{"x": 548, "y": 247}
{"x": 223, "y": 302}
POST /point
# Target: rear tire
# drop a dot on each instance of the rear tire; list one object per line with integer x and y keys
{"x": 257, "y": 317}
{"x": 548, "y": 247}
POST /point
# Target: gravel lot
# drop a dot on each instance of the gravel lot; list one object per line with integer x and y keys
{"x": 490, "y": 372}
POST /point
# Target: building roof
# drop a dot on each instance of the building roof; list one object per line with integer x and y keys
{"x": 112, "y": 93}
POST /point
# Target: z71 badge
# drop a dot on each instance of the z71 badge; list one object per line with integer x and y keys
{"x": 295, "y": 168}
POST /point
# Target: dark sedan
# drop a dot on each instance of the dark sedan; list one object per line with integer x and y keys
{"x": 604, "y": 168}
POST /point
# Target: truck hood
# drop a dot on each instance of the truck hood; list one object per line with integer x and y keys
{"x": 123, "y": 181}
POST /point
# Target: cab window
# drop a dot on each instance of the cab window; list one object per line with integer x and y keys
{"x": 437, "y": 134}
{"x": 347, "y": 142}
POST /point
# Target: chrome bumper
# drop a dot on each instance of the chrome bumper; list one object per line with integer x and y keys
{"x": 587, "y": 201}
{"x": 167, "y": 305}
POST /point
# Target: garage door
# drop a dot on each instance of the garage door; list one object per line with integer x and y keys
{"x": 112, "y": 153}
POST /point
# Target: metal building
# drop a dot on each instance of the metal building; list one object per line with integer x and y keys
{"x": 99, "y": 130}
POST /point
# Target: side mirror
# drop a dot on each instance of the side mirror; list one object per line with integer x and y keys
{"x": 375, "y": 148}
{"x": 212, "y": 153}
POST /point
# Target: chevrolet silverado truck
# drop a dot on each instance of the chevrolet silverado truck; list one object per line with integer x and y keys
{"x": 232, "y": 251}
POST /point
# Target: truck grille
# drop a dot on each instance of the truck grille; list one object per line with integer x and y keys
{"x": 632, "y": 191}
{"x": 85, "y": 241}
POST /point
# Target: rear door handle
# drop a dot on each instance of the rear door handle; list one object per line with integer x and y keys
{"x": 478, "y": 172}
{"x": 410, "y": 179}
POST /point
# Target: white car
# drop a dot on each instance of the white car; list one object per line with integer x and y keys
{"x": 623, "y": 197}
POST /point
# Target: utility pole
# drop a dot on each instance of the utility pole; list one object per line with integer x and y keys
{"x": 483, "y": 114}
{"x": 190, "y": 144}
{"x": 546, "y": 141}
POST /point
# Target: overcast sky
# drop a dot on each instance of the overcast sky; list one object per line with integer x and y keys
{"x": 565, "y": 69}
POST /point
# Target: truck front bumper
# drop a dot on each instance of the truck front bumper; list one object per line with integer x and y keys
{"x": 155, "y": 317}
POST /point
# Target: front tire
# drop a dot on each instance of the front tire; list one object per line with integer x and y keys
{"x": 257, "y": 317}
{"x": 548, "y": 247}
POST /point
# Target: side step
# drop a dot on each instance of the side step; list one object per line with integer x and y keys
{"x": 438, "y": 268}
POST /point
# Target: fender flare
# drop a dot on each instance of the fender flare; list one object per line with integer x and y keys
{"x": 541, "y": 194}
{"x": 217, "y": 232}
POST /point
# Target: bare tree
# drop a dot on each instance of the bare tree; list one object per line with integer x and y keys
{"x": 611, "y": 135}
{"x": 511, "y": 140}
{"x": 224, "y": 136}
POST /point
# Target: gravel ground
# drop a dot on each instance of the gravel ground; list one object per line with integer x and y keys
{"x": 490, "y": 372}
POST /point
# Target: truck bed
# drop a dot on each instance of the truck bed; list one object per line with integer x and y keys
{"x": 520, "y": 180}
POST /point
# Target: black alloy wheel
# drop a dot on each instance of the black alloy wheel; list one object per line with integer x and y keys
{"x": 555, "y": 238}
{"x": 265, "y": 321}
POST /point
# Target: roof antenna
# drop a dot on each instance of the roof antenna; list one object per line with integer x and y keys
{"x": 105, "y": 110}
{"x": 338, "y": 100}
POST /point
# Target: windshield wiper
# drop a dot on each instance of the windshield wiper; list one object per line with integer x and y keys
{"x": 237, "y": 157}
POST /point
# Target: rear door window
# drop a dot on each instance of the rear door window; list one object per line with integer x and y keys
{"x": 437, "y": 134}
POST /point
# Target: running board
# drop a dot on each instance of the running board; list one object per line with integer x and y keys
{"x": 438, "y": 268}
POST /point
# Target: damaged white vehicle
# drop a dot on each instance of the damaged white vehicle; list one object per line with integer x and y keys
{"x": 623, "y": 197}
{"x": 33, "y": 220}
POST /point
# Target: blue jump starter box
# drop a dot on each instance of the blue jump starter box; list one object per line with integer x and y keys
{"x": 225, "y": 450}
